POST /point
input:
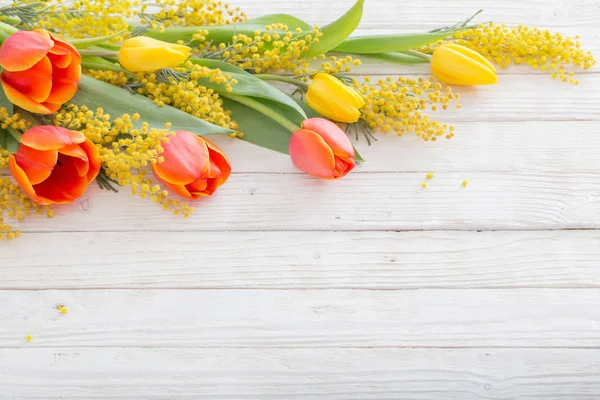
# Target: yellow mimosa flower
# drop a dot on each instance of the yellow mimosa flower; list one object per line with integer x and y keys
{"x": 142, "y": 53}
{"x": 334, "y": 100}
{"x": 459, "y": 65}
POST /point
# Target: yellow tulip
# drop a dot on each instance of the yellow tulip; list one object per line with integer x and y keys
{"x": 142, "y": 53}
{"x": 459, "y": 65}
{"x": 334, "y": 100}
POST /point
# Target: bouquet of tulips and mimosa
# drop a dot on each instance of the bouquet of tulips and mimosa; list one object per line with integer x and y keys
{"x": 87, "y": 95}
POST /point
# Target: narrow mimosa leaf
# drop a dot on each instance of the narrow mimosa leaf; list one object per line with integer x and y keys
{"x": 250, "y": 86}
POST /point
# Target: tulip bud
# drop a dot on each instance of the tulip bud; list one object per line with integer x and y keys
{"x": 193, "y": 167}
{"x": 54, "y": 165}
{"x": 334, "y": 100}
{"x": 141, "y": 53}
{"x": 459, "y": 65}
{"x": 322, "y": 149}
{"x": 41, "y": 72}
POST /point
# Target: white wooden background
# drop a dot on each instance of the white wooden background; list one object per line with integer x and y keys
{"x": 282, "y": 286}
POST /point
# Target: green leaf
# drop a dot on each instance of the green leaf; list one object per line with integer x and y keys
{"x": 258, "y": 129}
{"x": 116, "y": 101}
{"x": 88, "y": 42}
{"x": 265, "y": 132}
{"x": 333, "y": 34}
{"x": 7, "y": 141}
{"x": 376, "y": 44}
{"x": 337, "y": 31}
{"x": 286, "y": 19}
{"x": 249, "y": 86}
{"x": 398, "y": 58}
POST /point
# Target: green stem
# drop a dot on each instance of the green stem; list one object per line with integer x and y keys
{"x": 7, "y": 28}
{"x": 98, "y": 53}
{"x": 263, "y": 109}
{"x": 418, "y": 54}
{"x": 102, "y": 66}
{"x": 281, "y": 78}
{"x": 15, "y": 134}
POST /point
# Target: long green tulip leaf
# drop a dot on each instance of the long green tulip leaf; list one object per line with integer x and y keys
{"x": 286, "y": 19}
{"x": 89, "y": 42}
{"x": 336, "y": 32}
{"x": 115, "y": 101}
{"x": 7, "y": 141}
{"x": 389, "y": 43}
{"x": 250, "y": 86}
{"x": 398, "y": 58}
{"x": 257, "y": 128}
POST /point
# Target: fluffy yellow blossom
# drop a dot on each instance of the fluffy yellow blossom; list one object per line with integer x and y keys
{"x": 277, "y": 50}
{"x": 62, "y": 309}
{"x": 185, "y": 94}
{"x": 92, "y": 18}
{"x": 401, "y": 105}
{"x": 540, "y": 49}
{"x": 14, "y": 203}
{"x": 126, "y": 150}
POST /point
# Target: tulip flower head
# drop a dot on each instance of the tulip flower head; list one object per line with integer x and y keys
{"x": 144, "y": 54}
{"x": 333, "y": 99}
{"x": 459, "y": 65}
{"x": 192, "y": 167}
{"x": 54, "y": 165}
{"x": 41, "y": 72}
{"x": 322, "y": 149}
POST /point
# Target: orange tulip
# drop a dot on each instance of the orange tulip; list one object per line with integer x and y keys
{"x": 322, "y": 149}
{"x": 193, "y": 167}
{"x": 54, "y": 165}
{"x": 41, "y": 71}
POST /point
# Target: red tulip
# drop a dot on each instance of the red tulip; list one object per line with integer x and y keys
{"x": 54, "y": 165}
{"x": 41, "y": 72}
{"x": 193, "y": 167}
{"x": 322, "y": 149}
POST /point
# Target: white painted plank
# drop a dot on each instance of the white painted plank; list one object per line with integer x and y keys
{"x": 562, "y": 146}
{"x": 193, "y": 373}
{"x": 311, "y": 260}
{"x": 432, "y": 14}
{"x": 302, "y": 318}
{"x": 478, "y": 146}
{"x": 376, "y": 201}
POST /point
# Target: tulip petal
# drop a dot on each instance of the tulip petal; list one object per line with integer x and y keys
{"x": 310, "y": 153}
{"x": 64, "y": 184}
{"x": 459, "y": 67}
{"x": 93, "y": 156}
{"x": 20, "y": 100}
{"x": 23, "y": 181}
{"x": 220, "y": 160}
{"x": 333, "y": 135}
{"x": 48, "y": 137}
{"x": 186, "y": 159}
{"x": 179, "y": 190}
{"x": 333, "y": 99}
{"x": 343, "y": 166}
{"x": 472, "y": 54}
{"x": 202, "y": 187}
{"x": 65, "y": 82}
{"x": 23, "y": 49}
{"x": 142, "y": 53}
{"x": 80, "y": 158}
{"x": 35, "y": 83}
{"x": 36, "y": 164}
{"x": 60, "y": 56}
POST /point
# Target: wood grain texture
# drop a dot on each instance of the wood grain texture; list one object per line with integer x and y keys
{"x": 376, "y": 201}
{"x": 437, "y": 13}
{"x": 197, "y": 373}
{"x": 302, "y": 318}
{"x": 303, "y": 260}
